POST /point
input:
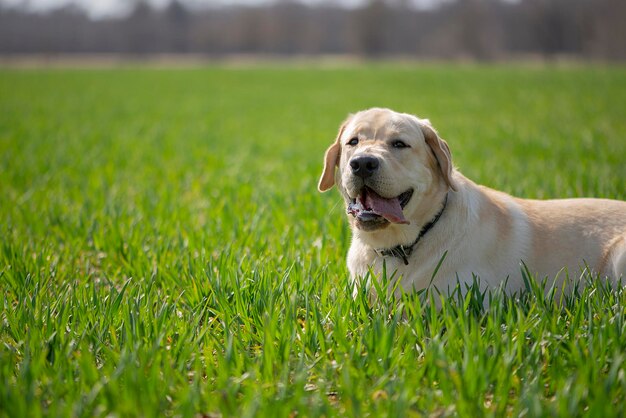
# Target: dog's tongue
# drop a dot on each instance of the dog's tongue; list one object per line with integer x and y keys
{"x": 389, "y": 209}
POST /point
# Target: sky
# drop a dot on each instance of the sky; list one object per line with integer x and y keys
{"x": 106, "y": 8}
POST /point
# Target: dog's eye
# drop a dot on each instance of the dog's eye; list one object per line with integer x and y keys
{"x": 399, "y": 144}
{"x": 353, "y": 141}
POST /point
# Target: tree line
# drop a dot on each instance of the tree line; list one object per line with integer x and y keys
{"x": 474, "y": 29}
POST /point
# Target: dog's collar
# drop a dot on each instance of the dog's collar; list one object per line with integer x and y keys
{"x": 404, "y": 251}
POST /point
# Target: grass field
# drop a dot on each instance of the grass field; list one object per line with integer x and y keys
{"x": 164, "y": 251}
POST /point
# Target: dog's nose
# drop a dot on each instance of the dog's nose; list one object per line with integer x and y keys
{"x": 364, "y": 166}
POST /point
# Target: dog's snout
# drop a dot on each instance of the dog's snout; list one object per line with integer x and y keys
{"x": 364, "y": 166}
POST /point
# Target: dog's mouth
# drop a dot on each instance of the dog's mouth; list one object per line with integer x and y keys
{"x": 371, "y": 209}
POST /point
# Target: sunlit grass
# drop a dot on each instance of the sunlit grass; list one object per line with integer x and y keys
{"x": 165, "y": 252}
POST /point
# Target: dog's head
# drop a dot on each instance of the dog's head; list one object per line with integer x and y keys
{"x": 387, "y": 163}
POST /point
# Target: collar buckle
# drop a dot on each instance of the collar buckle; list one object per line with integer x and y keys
{"x": 404, "y": 251}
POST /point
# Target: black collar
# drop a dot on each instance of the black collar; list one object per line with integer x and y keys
{"x": 404, "y": 251}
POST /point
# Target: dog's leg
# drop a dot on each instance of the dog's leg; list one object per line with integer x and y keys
{"x": 620, "y": 262}
{"x": 618, "y": 253}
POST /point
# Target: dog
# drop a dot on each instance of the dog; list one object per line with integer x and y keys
{"x": 411, "y": 211}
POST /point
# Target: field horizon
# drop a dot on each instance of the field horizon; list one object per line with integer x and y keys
{"x": 165, "y": 250}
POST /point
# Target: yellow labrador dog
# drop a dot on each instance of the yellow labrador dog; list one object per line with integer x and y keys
{"x": 408, "y": 205}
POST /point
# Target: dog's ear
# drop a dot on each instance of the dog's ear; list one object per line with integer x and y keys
{"x": 331, "y": 161}
{"x": 441, "y": 150}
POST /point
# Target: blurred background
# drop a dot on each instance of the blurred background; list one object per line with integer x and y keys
{"x": 482, "y": 30}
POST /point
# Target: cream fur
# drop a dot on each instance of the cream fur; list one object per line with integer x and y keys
{"x": 484, "y": 232}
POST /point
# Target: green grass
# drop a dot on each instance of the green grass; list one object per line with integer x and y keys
{"x": 164, "y": 251}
